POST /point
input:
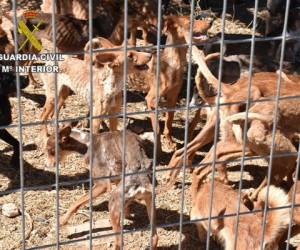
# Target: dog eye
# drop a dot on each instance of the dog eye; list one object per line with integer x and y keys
{"x": 130, "y": 57}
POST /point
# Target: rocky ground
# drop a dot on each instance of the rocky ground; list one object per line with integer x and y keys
{"x": 39, "y": 181}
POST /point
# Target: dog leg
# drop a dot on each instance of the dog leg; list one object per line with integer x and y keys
{"x": 194, "y": 123}
{"x": 204, "y": 137}
{"x": 171, "y": 98}
{"x": 7, "y": 137}
{"x": 254, "y": 195}
{"x": 98, "y": 110}
{"x": 47, "y": 110}
{"x": 150, "y": 99}
{"x": 115, "y": 206}
{"x": 97, "y": 189}
{"x": 224, "y": 152}
{"x": 113, "y": 122}
{"x": 148, "y": 200}
{"x": 64, "y": 93}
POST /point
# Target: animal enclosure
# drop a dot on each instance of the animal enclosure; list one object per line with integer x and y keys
{"x": 171, "y": 124}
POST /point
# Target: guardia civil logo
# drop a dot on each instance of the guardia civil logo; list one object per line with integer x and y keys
{"x": 29, "y": 34}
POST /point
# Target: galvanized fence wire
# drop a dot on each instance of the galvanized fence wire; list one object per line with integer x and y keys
{"x": 293, "y": 200}
{"x": 91, "y": 99}
{"x": 284, "y": 32}
{"x": 245, "y": 124}
{"x": 115, "y": 177}
{"x": 186, "y": 121}
{"x": 15, "y": 31}
{"x": 125, "y": 68}
{"x": 56, "y": 128}
{"x": 156, "y": 120}
{"x": 124, "y": 114}
{"x": 216, "y": 130}
{"x": 146, "y": 112}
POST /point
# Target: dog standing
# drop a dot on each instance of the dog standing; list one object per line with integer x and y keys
{"x": 172, "y": 65}
{"x": 107, "y": 80}
{"x": 107, "y": 162}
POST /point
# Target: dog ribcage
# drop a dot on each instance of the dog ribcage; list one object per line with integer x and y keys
{"x": 74, "y": 73}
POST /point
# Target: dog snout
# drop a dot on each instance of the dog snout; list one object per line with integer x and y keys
{"x": 210, "y": 21}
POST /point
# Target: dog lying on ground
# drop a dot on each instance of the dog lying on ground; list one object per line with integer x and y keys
{"x": 7, "y": 87}
{"x": 263, "y": 85}
{"x": 107, "y": 162}
{"x": 107, "y": 80}
{"x": 250, "y": 225}
{"x": 259, "y": 135}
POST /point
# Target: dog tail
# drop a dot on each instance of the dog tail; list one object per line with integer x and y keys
{"x": 277, "y": 219}
{"x": 240, "y": 117}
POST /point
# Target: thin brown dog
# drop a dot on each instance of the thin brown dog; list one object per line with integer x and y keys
{"x": 107, "y": 162}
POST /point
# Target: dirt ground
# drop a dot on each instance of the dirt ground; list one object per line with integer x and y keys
{"x": 39, "y": 181}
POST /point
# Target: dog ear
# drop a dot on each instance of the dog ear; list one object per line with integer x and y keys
{"x": 106, "y": 58}
{"x": 105, "y": 43}
{"x": 65, "y": 132}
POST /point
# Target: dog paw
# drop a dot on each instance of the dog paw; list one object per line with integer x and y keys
{"x": 168, "y": 144}
{"x": 63, "y": 220}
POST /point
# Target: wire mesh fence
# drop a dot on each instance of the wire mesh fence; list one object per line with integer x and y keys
{"x": 235, "y": 182}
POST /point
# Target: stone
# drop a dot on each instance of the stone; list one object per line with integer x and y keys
{"x": 10, "y": 210}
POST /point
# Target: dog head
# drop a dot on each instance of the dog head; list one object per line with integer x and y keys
{"x": 63, "y": 141}
{"x": 181, "y": 26}
{"x": 66, "y": 144}
{"x": 115, "y": 58}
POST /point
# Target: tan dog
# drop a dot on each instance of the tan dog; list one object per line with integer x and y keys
{"x": 250, "y": 225}
{"x": 172, "y": 64}
{"x": 107, "y": 80}
{"x": 107, "y": 162}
